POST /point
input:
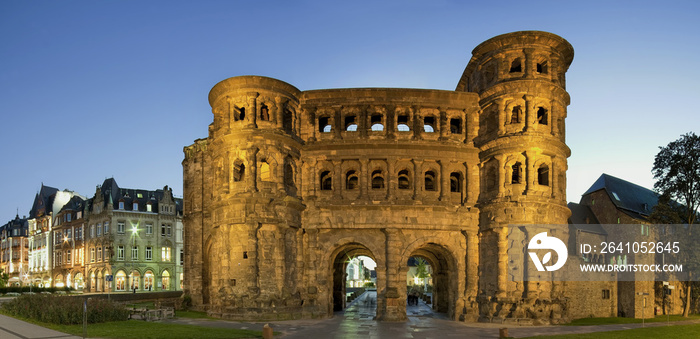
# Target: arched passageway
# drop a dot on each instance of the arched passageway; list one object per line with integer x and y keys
{"x": 431, "y": 279}
{"x": 355, "y": 275}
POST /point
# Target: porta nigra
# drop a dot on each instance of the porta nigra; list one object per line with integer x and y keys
{"x": 289, "y": 184}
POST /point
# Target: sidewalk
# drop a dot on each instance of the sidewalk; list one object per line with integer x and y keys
{"x": 11, "y": 328}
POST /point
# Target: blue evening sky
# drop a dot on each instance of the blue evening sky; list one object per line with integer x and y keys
{"x": 97, "y": 89}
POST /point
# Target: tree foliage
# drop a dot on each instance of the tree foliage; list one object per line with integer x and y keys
{"x": 4, "y": 278}
{"x": 677, "y": 171}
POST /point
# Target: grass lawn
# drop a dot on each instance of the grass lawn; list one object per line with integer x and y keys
{"x": 665, "y": 332}
{"x": 152, "y": 330}
{"x": 610, "y": 321}
{"x": 136, "y": 329}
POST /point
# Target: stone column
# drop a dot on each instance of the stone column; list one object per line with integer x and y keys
{"x": 337, "y": 123}
{"x": 278, "y": 116}
{"x": 442, "y": 121}
{"x": 555, "y": 178}
{"x": 472, "y": 264}
{"x": 297, "y": 121}
{"x": 501, "y": 109}
{"x": 362, "y": 118}
{"x": 502, "y": 261}
{"x": 529, "y": 112}
{"x": 252, "y": 110}
{"x": 390, "y": 122}
{"x": 529, "y": 63}
{"x": 311, "y": 119}
{"x": 338, "y": 185}
{"x": 417, "y": 124}
{"x": 553, "y": 118}
{"x": 417, "y": 172}
{"x": 390, "y": 175}
{"x": 364, "y": 175}
{"x": 501, "y": 175}
{"x": 395, "y": 299}
{"x": 444, "y": 180}
{"x": 251, "y": 181}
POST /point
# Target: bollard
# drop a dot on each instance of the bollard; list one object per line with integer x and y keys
{"x": 503, "y": 333}
{"x": 267, "y": 332}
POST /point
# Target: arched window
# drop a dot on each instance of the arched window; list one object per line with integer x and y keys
{"x": 543, "y": 175}
{"x": 165, "y": 279}
{"x": 288, "y": 174}
{"x": 324, "y": 125}
{"x": 239, "y": 114}
{"x": 264, "y": 113}
{"x": 456, "y": 126}
{"x": 430, "y": 184}
{"x": 404, "y": 180}
{"x": 288, "y": 121}
{"x": 516, "y": 66}
{"x": 350, "y": 123}
{"x": 351, "y": 180}
{"x": 402, "y": 123}
{"x": 148, "y": 281}
{"x": 120, "y": 281}
{"x": 516, "y": 176}
{"x": 542, "y": 67}
{"x": 376, "y": 123}
{"x": 326, "y": 181}
{"x": 265, "y": 174}
{"x": 238, "y": 171}
{"x": 515, "y": 115}
{"x": 429, "y": 124}
{"x": 542, "y": 116}
{"x": 377, "y": 180}
{"x": 455, "y": 182}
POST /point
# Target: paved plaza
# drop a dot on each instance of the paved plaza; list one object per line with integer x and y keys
{"x": 355, "y": 322}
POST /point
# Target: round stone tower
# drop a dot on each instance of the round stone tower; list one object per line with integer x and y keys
{"x": 522, "y": 152}
{"x": 248, "y": 202}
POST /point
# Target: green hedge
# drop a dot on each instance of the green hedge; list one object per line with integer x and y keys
{"x": 26, "y": 289}
{"x": 64, "y": 310}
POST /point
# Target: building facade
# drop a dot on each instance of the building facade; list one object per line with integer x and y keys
{"x": 14, "y": 250}
{"x": 289, "y": 183}
{"x": 132, "y": 240}
{"x": 120, "y": 240}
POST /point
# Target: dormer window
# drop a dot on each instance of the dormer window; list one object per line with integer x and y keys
{"x": 121, "y": 205}
{"x": 149, "y": 207}
{"x": 136, "y": 206}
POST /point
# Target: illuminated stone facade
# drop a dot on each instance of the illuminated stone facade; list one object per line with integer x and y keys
{"x": 289, "y": 184}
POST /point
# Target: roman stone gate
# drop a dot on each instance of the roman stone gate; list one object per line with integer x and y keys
{"x": 289, "y": 184}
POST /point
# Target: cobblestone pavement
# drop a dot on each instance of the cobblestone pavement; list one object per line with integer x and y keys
{"x": 357, "y": 322}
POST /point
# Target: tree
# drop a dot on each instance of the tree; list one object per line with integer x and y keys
{"x": 4, "y": 278}
{"x": 677, "y": 171}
